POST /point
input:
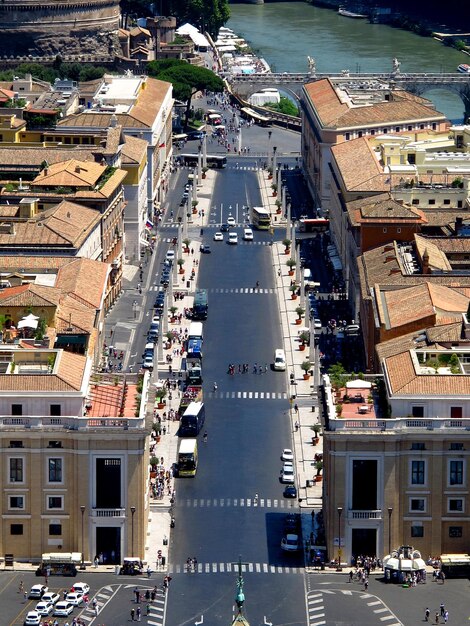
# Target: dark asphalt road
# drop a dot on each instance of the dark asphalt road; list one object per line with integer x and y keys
{"x": 217, "y": 519}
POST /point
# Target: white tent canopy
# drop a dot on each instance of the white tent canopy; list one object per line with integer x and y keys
{"x": 30, "y": 321}
{"x": 358, "y": 384}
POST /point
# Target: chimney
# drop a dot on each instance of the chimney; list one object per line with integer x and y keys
{"x": 458, "y": 223}
{"x": 78, "y": 169}
{"x": 425, "y": 262}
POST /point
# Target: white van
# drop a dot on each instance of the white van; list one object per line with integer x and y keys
{"x": 248, "y": 234}
{"x": 280, "y": 360}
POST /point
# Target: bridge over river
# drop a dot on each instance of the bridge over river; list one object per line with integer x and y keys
{"x": 245, "y": 85}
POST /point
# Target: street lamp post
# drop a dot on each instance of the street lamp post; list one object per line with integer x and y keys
{"x": 274, "y": 162}
{"x": 82, "y": 509}
{"x": 132, "y": 529}
{"x": 390, "y": 511}
{"x": 340, "y": 511}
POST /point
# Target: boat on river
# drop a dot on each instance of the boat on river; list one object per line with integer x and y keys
{"x": 464, "y": 68}
{"x": 345, "y": 13}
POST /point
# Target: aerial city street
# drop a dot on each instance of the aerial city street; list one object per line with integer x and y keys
{"x": 234, "y": 305}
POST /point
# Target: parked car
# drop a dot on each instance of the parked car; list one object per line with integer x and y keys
{"x": 170, "y": 255}
{"x": 291, "y": 523}
{"x": 82, "y": 588}
{"x": 290, "y": 491}
{"x": 51, "y": 597}
{"x": 287, "y": 455}
{"x": 44, "y": 608}
{"x": 74, "y": 598}
{"x": 33, "y": 618}
{"x": 287, "y": 475}
{"x": 63, "y": 608}
{"x": 37, "y": 591}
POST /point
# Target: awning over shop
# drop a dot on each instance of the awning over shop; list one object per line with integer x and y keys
{"x": 63, "y": 340}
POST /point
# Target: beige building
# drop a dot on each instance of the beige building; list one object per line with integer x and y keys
{"x": 401, "y": 478}
{"x": 75, "y": 459}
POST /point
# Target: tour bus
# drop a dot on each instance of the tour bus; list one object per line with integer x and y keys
{"x": 187, "y": 457}
{"x": 195, "y": 330}
{"x": 217, "y": 161}
{"x": 260, "y": 218}
{"x": 200, "y": 306}
{"x": 192, "y": 420}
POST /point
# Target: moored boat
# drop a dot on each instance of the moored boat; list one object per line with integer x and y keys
{"x": 346, "y": 13}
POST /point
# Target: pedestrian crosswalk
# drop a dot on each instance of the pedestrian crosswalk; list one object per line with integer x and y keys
{"x": 227, "y": 568}
{"x": 234, "y": 503}
{"x": 240, "y": 243}
{"x": 156, "y": 610}
{"x": 249, "y": 395}
{"x": 242, "y": 290}
{"x": 317, "y": 610}
{"x": 98, "y": 602}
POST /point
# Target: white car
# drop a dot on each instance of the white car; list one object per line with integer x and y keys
{"x": 74, "y": 598}
{"x": 290, "y": 543}
{"x": 233, "y": 238}
{"x": 287, "y": 455}
{"x": 231, "y": 220}
{"x": 170, "y": 256}
{"x": 317, "y": 323}
{"x": 51, "y": 597}
{"x": 248, "y": 234}
{"x": 44, "y": 608}
{"x": 32, "y": 619}
{"x": 288, "y": 466}
{"x": 218, "y": 236}
{"x": 82, "y": 588}
{"x": 37, "y": 591}
{"x": 148, "y": 362}
{"x": 287, "y": 475}
{"x": 63, "y": 608}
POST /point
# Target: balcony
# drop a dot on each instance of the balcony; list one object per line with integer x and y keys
{"x": 365, "y": 514}
{"x": 108, "y": 513}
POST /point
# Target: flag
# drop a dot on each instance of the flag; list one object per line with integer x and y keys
{"x": 162, "y": 145}
{"x": 149, "y": 224}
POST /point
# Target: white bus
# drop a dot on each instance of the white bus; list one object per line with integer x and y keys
{"x": 260, "y": 218}
{"x": 187, "y": 457}
{"x": 195, "y": 330}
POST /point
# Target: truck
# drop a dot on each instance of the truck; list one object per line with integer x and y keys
{"x": 200, "y": 306}
{"x": 192, "y": 420}
{"x": 192, "y": 372}
{"x": 194, "y": 352}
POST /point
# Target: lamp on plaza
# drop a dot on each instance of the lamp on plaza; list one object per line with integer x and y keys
{"x": 390, "y": 511}
{"x": 340, "y": 511}
{"x": 274, "y": 162}
{"x": 82, "y": 509}
{"x": 132, "y": 529}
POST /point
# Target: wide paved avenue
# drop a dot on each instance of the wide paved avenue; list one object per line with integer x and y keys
{"x": 217, "y": 519}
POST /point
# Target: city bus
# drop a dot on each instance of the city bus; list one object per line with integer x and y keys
{"x": 200, "y": 306}
{"x": 316, "y": 225}
{"x": 192, "y": 420}
{"x": 216, "y": 161}
{"x": 187, "y": 457}
{"x": 260, "y": 218}
{"x": 195, "y": 330}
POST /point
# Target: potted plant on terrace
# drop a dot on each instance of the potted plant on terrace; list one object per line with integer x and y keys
{"x": 291, "y": 264}
{"x": 274, "y": 188}
{"x": 318, "y": 467}
{"x": 194, "y": 204}
{"x": 173, "y": 310}
{"x": 306, "y": 365}
{"x": 316, "y": 429}
{"x": 161, "y": 394}
{"x": 304, "y": 338}
{"x": 293, "y": 288}
{"x": 180, "y": 263}
{"x": 186, "y": 244}
{"x": 286, "y": 243}
{"x": 204, "y": 170}
{"x": 278, "y": 204}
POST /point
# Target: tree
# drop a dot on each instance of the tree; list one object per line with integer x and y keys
{"x": 207, "y": 15}
{"x": 338, "y": 375}
{"x": 186, "y": 79}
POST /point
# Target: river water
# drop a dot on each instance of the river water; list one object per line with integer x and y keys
{"x": 285, "y": 33}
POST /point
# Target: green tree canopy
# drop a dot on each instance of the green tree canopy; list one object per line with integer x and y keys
{"x": 186, "y": 79}
{"x": 207, "y": 15}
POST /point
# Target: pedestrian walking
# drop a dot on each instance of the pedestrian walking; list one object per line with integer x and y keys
{"x": 437, "y": 618}
{"x": 133, "y": 615}
{"x": 139, "y": 613}
{"x": 296, "y": 408}
{"x": 427, "y": 613}
{"x": 296, "y": 426}
{"x": 442, "y": 609}
{"x": 446, "y": 616}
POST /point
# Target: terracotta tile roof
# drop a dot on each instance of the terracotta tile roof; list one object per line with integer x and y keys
{"x": 73, "y": 316}
{"x": 8, "y": 210}
{"x": 134, "y": 150}
{"x": 138, "y": 30}
{"x": 68, "y": 224}
{"x": 86, "y": 279}
{"x": 334, "y": 113}
{"x": 382, "y": 207}
{"x": 71, "y": 173}
{"x": 444, "y": 217}
{"x": 99, "y": 120}
{"x": 24, "y": 156}
{"x": 359, "y": 168}
{"x": 28, "y": 264}
{"x": 447, "y": 300}
{"x": 404, "y": 380}
{"x": 149, "y": 101}
{"x": 437, "y": 258}
{"x": 112, "y": 400}
{"x": 410, "y": 304}
{"x": 29, "y": 295}
{"x": 446, "y": 333}
{"x": 416, "y": 339}
{"x": 458, "y": 245}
